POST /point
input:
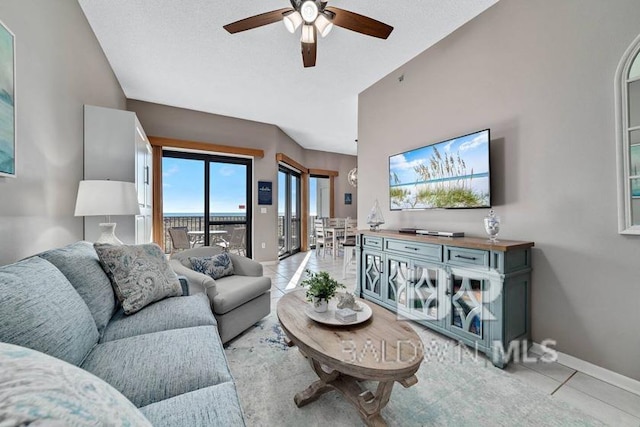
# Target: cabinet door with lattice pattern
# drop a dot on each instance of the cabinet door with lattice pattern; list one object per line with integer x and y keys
{"x": 426, "y": 295}
{"x": 466, "y": 300}
{"x": 372, "y": 273}
{"x": 398, "y": 278}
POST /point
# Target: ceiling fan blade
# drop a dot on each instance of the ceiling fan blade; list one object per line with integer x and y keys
{"x": 359, "y": 23}
{"x": 309, "y": 51}
{"x": 256, "y": 21}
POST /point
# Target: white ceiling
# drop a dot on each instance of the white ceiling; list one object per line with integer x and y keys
{"x": 175, "y": 52}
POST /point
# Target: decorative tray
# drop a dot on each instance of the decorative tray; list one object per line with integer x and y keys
{"x": 328, "y": 317}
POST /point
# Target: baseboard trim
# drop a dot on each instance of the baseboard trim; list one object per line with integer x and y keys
{"x": 613, "y": 378}
{"x": 276, "y": 262}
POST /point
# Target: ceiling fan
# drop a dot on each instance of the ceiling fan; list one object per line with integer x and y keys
{"x": 316, "y": 18}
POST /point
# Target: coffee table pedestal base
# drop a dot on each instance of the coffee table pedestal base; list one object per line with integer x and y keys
{"x": 367, "y": 403}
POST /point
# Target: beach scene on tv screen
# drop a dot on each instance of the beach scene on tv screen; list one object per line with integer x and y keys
{"x": 449, "y": 174}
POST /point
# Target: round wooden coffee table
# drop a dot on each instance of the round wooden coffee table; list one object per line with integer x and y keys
{"x": 381, "y": 349}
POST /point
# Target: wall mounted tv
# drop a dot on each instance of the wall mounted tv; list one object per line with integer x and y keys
{"x": 452, "y": 174}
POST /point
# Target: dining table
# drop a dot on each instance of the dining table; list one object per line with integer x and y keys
{"x": 215, "y": 236}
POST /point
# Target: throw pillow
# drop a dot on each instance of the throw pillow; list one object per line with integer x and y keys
{"x": 140, "y": 274}
{"x": 216, "y": 266}
{"x": 36, "y": 388}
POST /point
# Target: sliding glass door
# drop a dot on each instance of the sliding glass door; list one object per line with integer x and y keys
{"x": 211, "y": 196}
{"x": 288, "y": 212}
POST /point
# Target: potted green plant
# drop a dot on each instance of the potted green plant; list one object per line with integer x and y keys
{"x": 321, "y": 287}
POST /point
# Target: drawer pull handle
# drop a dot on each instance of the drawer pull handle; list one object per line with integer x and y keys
{"x": 412, "y": 248}
{"x": 471, "y": 258}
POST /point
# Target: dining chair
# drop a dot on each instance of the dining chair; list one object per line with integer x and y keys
{"x": 349, "y": 233}
{"x": 322, "y": 238}
{"x": 347, "y": 237}
{"x": 349, "y": 248}
{"x": 336, "y": 222}
{"x": 179, "y": 238}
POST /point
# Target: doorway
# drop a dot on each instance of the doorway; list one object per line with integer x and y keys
{"x": 319, "y": 204}
{"x": 288, "y": 212}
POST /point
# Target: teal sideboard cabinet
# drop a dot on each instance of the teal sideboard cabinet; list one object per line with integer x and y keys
{"x": 463, "y": 287}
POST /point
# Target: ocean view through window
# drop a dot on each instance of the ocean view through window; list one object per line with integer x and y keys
{"x": 209, "y": 195}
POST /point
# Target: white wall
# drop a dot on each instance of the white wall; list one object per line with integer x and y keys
{"x": 540, "y": 74}
{"x": 322, "y": 197}
{"x": 59, "y": 67}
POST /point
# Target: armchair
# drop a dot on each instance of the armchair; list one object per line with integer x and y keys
{"x": 238, "y": 301}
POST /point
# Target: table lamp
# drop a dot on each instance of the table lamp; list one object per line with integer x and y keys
{"x": 96, "y": 198}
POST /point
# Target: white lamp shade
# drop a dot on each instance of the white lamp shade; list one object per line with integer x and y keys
{"x": 308, "y": 35}
{"x": 107, "y": 198}
{"x": 324, "y": 25}
{"x": 292, "y": 21}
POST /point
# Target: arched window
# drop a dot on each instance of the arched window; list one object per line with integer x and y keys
{"x": 627, "y": 88}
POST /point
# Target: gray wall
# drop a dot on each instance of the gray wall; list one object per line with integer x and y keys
{"x": 171, "y": 122}
{"x": 59, "y": 67}
{"x": 540, "y": 74}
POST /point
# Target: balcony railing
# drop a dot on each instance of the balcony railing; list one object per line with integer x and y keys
{"x": 196, "y": 223}
{"x": 228, "y": 223}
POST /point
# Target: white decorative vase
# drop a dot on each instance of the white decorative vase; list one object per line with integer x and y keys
{"x": 320, "y": 305}
{"x": 492, "y": 226}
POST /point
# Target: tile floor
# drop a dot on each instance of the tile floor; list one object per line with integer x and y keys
{"x": 610, "y": 404}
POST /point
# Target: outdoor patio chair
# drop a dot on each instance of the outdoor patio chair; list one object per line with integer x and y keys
{"x": 237, "y": 242}
{"x": 179, "y": 239}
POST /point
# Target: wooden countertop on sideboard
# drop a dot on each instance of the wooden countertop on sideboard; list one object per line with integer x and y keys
{"x": 462, "y": 242}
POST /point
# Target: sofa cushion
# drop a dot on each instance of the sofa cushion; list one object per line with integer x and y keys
{"x": 36, "y": 388}
{"x": 170, "y": 313}
{"x": 40, "y": 309}
{"x": 213, "y": 406}
{"x": 153, "y": 367}
{"x": 81, "y": 266}
{"x": 216, "y": 266}
{"x": 140, "y": 274}
{"x": 233, "y": 291}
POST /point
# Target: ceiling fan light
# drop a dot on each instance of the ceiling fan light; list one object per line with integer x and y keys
{"x": 308, "y": 35}
{"x": 324, "y": 25}
{"x": 309, "y": 11}
{"x": 292, "y": 21}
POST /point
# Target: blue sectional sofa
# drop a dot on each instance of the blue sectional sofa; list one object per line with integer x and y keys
{"x": 167, "y": 359}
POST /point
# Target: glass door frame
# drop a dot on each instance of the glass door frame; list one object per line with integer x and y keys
{"x": 214, "y": 158}
{"x": 289, "y": 174}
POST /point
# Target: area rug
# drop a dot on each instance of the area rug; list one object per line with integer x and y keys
{"x": 455, "y": 387}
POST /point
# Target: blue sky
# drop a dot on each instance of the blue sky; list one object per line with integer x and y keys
{"x": 183, "y": 186}
{"x": 472, "y": 149}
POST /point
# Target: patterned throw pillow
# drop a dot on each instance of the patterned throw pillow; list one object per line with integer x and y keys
{"x": 216, "y": 266}
{"x": 140, "y": 274}
{"x": 36, "y": 388}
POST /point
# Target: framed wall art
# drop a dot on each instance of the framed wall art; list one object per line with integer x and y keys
{"x": 265, "y": 192}
{"x": 7, "y": 102}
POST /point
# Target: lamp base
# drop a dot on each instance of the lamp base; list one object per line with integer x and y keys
{"x": 108, "y": 235}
